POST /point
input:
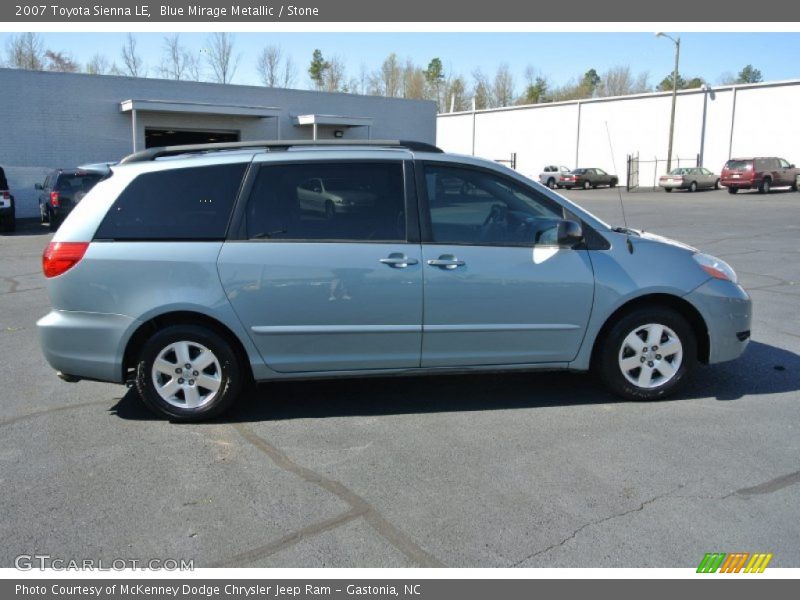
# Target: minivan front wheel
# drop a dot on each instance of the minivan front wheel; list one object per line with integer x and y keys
{"x": 188, "y": 373}
{"x": 648, "y": 354}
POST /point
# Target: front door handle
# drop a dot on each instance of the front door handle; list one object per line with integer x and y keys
{"x": 397, "y": 260}
{"x": 446, "y": 261}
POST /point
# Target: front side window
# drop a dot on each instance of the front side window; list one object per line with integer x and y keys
{"x": 357, "y": 201}
{"x": 784, "y": 163}
{"x": 175, "y": 204}
{"x": 471, "y": 206}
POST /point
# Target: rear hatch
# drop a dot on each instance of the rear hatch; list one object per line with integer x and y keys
{"x": 737, "y": 169}
{"x": 72, "y": 187}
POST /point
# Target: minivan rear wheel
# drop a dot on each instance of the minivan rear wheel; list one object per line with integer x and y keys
{"x": 188, "y": 373}
{"x": 648, "y": 354}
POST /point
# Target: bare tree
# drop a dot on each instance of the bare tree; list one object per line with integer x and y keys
{"x": 620, "y": 81}
{"x": 389, "y": 78}
{"x": 482, "y": 91}
{"x": 268, "y": 65}
{"x": 131, "y": 61}
{"x": 289, "y": 72}
{"x": 334, "y": 78}
{"x": 503, "y": 86}
{"x": 176, "y": 61}
{"x": 99, "y": 65}
{"x": 414, "y": 83}
{"x": 455, "y": 95}
{"x": 60, "y": 61}
{"x": 221, "y": 57}
{"x": 26, "y": 51}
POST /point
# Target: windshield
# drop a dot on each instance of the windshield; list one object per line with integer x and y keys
{"x": 580, "y": 171}
{"x": 681, "y": 171}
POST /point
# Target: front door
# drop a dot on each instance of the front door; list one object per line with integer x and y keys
{"x": 498, "y": 290}
{"x": 334, "y": 290}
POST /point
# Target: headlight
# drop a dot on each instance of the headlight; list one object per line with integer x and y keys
{"x": 715, "y": 267}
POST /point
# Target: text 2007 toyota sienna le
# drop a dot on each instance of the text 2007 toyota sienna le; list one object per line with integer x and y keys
{"x": 192, "y": 271}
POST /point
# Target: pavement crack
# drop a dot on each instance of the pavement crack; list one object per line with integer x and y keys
{"x": 249, "y": 556}
{"x": 574, "y": 534}
{"x": 359, "y": 505}
{"x": 47, "y": 411}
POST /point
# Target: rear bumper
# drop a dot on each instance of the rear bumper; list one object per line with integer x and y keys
{"x": 741, "y": 184}
{"x": 673, "y": 186}
{"x": 727, "y": 311}
{"x": 86, "y": 345}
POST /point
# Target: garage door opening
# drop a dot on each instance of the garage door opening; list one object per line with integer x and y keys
{"x": 177, "y": 137}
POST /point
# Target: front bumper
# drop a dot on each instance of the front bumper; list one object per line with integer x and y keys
{"x": 727, "y": 311}
{"x": 85, "y": 345}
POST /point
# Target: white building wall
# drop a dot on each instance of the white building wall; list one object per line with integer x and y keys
{"x": 548, "y": 133}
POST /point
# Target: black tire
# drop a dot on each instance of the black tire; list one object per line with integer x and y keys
{"x": 11, "y": 224}
{"x": 551, "y": 183}
{"x": 765, "y": 186}
{"x": 53, "y": 222}
{"x": 693, "y": 186}
{"x": 716, "y": 184}
{"x": 330, "y": 209}
{"x": 732, "y": 190}
{"x": 587, "y": 185}
{"x": 231, "y": 373}
{"x": 613, "y": 183}
{"x": 43, "y": 217}
{"x": 607, "y": 360}
{"x": 668, "y": 190}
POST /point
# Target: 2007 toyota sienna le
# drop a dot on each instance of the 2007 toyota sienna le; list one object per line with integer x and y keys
{"x": 192, "y": 271}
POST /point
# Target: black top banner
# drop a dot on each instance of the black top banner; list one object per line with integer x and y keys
{"x": 465, "y": 11}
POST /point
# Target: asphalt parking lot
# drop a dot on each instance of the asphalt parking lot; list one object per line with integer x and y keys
{"x": 528, "y": 470}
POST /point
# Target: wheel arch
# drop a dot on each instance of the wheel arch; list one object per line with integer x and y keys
{"x": 180, "y": 317}
{"x": 679, "y": 305}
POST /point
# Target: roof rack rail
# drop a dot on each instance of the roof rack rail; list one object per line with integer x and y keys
{"x": 162, "y": 151}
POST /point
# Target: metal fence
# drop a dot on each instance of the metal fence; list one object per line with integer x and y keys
{"x": 641, "y": 172}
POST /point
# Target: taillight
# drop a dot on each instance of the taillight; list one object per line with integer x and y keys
{"x": 54, "y": 199}
{"x": 6, "y": 195}
{"x": 60, "y": 257}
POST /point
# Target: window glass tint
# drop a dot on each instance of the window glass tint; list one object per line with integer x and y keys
{"x": 362, "y": 201}
{"x": 177, "y": 204}
{"x": 476, "y": 207}
{"x": 3, "y": 182}
{"x": 77, "y": 182}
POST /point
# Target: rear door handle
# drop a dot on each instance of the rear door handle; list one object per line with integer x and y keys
{"x": 397, "y": 260}
{"x": 446, "y": 261}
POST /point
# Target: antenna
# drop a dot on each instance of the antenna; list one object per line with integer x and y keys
{"x": 619, "y": 190}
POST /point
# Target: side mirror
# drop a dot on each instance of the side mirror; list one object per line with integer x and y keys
{"x": 38, "y": 186}
{"x": 792, "y": 166}
{"x": 570, "y": 233}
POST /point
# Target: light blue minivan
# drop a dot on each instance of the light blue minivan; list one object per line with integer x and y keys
{"x": 193, "y": 271}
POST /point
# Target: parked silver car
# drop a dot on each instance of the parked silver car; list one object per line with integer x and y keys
{"x": 190, "y": 273}
{"x": 689, "y": 178}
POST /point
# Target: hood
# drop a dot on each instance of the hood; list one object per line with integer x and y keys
{"x": 652, "y": 237}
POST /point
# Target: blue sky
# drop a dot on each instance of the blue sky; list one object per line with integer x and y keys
{"x": 558, "y": 56}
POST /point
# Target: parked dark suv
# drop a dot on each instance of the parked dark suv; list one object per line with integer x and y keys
{"x": 62, "y": 190}
{"x": 761, "y": 173}
{"x": 8, "y": 220}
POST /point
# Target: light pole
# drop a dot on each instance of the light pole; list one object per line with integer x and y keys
{"x": 677, "y": 42}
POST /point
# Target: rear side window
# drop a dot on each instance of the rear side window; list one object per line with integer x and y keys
{"x": 178, "y": 204}
{"x": 363, "y": 201}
